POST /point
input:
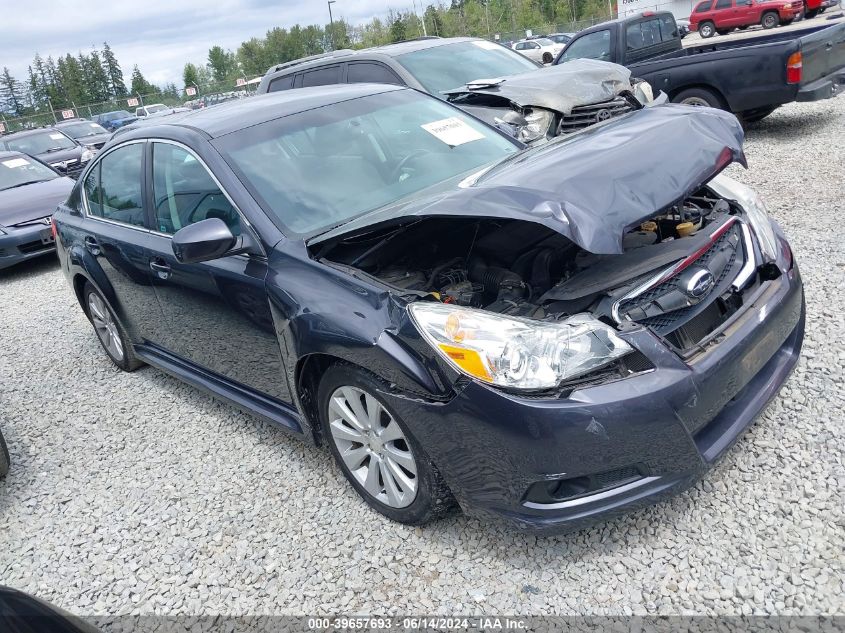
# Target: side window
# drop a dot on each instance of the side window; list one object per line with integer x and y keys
{"x": 114, "y": 187}
{"x": 703, "y": 7}
{"x": 368, "y": 72}
{"x": 594, "y": 45}
{"x": 282, "y": 83}
{"x": 724, "y": 4}
{"x": 520, "y": 46}
{"x": 185, "y": 193}
{"x": 321, "y": 76}
{"x": 533, "y": 45}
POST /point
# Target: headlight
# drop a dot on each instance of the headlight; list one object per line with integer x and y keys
{"x": 88, "y": 154}
{"x": 538, "y": 122}
{"x": 755, "y": 208}
{"x": 513, "y": 352}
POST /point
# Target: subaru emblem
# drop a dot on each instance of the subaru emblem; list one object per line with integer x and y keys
{"x": 698, "y": 283}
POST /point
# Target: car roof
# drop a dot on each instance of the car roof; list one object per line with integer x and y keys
{"x": 232, "y": 116}
{"x": 389, "y": 50}
{"x": 6, "y": 154}
{"x": 23, "y": 133}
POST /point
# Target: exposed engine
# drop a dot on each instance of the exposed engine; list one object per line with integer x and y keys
{"x": 521, "y": 268}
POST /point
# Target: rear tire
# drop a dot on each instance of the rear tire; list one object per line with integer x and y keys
{"x": 701, "y": 97}
{"x": 770, "y": 20}
{"x": 809, "y": 15}
{"x": 109, "y": 330}
{"x": 375, "y": 450}
{"x": 5, "y": 461}
{"x": 706, "y": 29}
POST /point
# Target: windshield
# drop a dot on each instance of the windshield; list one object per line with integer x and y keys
{"x": 318, "y": 169}
{"x": 444, "y": 68}
{"x": 544, "y": 41}
{"x": 158, "y": 107}
{"x": 83, "y": 129}
{"x": 40, "y": 143}
{"x": 22, "y": 170}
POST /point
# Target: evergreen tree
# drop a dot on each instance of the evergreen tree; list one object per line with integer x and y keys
{"x": 397, "y": 29}
{"x": 113, "y": 72}
{"x": 11, "y": 94}
{"x": 140, "y": 86}
{"x": 223, "y": 64}
{"x": 190, "y": 75}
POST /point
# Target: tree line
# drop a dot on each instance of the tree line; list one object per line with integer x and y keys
{"x": 95, "y": 77}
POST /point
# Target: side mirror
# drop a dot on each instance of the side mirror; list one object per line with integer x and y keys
{"x": 201, "y": 242}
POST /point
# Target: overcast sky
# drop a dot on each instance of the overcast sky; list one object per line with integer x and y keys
{"x": 158, "y": 35}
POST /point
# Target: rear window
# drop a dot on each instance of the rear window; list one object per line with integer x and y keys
{"x": 650, "y": 32}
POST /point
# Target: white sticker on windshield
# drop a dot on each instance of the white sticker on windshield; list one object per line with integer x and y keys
{"x": 94, "y": 125}
{"x": 490, "y": 46}
{"x": 453, "y": 131}
{"x": 16, "y": 162}
{"x": 57, "y": 137}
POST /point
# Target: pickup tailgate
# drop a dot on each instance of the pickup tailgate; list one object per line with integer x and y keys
{"x": 823, "y": 53}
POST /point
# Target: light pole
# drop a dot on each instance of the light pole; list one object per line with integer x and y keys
{"x": 331, "y": 22}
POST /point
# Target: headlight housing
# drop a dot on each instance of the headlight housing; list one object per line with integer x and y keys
{"x": 755, "y": 209}
{"x": 513, "y": 352}
{"x": 538, "y": 122}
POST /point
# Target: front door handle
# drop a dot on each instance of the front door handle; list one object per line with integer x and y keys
{"x": 160, "y": 268}
{"x": 92, "y": 245}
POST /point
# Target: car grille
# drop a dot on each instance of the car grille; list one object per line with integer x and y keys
{"x": 587, "y": 115}
{"x": 689, "y": 325}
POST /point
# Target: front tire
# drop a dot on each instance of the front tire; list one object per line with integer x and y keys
{"x": 110, "y": 332}
{"x": 5, "y": 461}
{"x": 375, "y": 450}
{"x": 706, "y": 29}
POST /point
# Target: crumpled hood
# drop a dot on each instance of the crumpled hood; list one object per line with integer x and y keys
{"x": 30, "y": 202}
{"x": 592, "y": 186}
{"x": 560, "y": 88}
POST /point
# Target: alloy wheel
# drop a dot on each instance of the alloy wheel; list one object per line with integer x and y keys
{"x": 373, "y": 446}
{"x": 105, "y": 326}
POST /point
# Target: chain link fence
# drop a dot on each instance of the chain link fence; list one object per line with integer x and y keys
{"x": 192, "y": 96}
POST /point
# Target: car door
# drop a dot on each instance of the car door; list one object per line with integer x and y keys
{"x": 725, "y": 14}
{"x": 217, "y": 313}
{"x": 115, "y": 236}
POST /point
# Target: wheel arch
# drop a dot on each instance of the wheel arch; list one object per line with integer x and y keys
{"x": 701, "y": 86}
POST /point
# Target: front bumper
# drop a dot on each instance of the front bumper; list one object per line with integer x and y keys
{"x": 823, "y": 88}
{"x": 671, "y": 423}
{"x": 23, "y": 243}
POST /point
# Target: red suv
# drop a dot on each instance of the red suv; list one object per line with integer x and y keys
{"x": 722, "y": 16}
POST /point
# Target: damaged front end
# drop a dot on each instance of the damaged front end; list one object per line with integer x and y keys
{"x": 529, "y": 287}
{"x": 537, "y": 106}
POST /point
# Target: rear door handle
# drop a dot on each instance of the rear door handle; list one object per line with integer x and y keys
{"x": 92, "y": 245}
{"x": 160, "y": 268}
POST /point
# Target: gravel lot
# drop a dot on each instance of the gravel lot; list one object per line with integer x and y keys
{"x": 136, "y": 493}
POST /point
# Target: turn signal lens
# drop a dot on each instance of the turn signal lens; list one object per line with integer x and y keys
{"x": 794, "y": 68}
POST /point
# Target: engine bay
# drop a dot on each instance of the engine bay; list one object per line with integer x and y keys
{"x": 521, "y": 268}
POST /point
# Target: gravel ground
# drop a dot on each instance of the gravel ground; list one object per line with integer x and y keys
{"x": 136, "y": 493}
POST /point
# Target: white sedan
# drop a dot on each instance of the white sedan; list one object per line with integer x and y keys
{"x": 541, "y": 50}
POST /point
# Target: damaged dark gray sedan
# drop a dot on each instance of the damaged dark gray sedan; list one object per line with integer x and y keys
{"x": 546, "y": 336}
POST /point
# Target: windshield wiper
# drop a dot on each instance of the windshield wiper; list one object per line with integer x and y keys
{"x": 28, "y": 182}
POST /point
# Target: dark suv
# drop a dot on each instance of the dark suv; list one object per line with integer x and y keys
{"x": 51, "y": 146}
{"x": 492, "y": 82}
